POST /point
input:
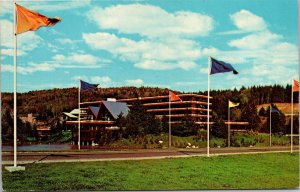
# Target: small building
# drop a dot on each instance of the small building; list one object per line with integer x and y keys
{"x": 95, "y": 119}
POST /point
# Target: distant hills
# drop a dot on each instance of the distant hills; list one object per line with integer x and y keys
{"x": 51, "y": 103}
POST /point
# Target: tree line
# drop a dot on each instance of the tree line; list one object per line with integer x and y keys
{"x": 48, "y": 105}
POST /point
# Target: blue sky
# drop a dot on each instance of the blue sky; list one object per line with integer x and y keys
{"x": 153, "y": 43}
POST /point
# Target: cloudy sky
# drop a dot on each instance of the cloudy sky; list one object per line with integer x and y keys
{"x": 153, "y": 43}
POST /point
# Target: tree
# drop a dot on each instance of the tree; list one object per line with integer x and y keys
{"x": 249, "y": 114}
{"x": 121, "y": 123}
{"x": 7, "y": 125}
{"x": 165, "y": 124}
{"x": 219, "y": 129}
{"x": 136, "y": 121}
{"x": 277, "y": 121}
{"x": 186, "y": 127}
{"x": 262, "y": 112}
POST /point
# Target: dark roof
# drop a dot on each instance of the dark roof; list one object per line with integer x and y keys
{"x": 95, "y": 111}
{"x": 115, "y": 108}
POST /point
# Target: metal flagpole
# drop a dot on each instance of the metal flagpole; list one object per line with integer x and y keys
{"x": 15, "y": 87}
{"x": 228, "y": 125}
{"x": 170, "y": 120}
{"x": 292, "y": 117}
{"x": 79, "y": 114}
{"x": 270, "y": 125}
{"x": 15, "y": 167}
{"x": 208, "y": 89}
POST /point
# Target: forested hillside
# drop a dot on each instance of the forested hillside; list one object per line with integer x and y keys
{"x": 51, "y": 103}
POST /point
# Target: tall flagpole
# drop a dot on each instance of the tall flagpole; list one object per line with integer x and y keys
{"x": 228, "y": 125}
{"x": 170, "y": 120}
{"x": 79, "y": 114}
{"x": 270, "y": 124}
{"x": 292, "y": 116}
{"x": 15, "y": 87}
{"x": 208, "y": 89}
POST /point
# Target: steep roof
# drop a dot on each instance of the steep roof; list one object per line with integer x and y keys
{"x": 115, "y": 108}
{"x": 70, "y": 115}
{"x": 95, "y": 111}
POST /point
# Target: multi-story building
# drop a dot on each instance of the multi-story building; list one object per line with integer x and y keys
{"x": 99, "y": 116}
{"x": 192, "y": 105}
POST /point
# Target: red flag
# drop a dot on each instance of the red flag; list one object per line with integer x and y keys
{"x": 174, "y": 97}
{"x": 296, "y": 86}
{"x": 28, "y": 20}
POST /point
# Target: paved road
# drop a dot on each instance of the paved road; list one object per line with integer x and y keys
{"x": 75, "y": 156}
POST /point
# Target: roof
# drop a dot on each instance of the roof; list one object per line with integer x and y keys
{"x": 70, "y": 115}
{"x": 75, "y": 111}
{"x": 95, "y": 111}
{"x": 115, "y": 108}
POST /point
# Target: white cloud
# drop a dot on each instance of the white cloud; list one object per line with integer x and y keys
{"x": 99, "y": 79}
{"x": 134, "y": 82}
{"x": 26, "y": 41}
{"x": 150, "y": 21}
{"x": 31, "y": 68}
{"x": 256, "y": 41}
{"x": 247, "y": 21}
{"x": 160, "y": 55}
{"x": 260, "y": 48}
{"x": 279, "y": 74}
{"x": 78, "y": 61}
{"x": 103, "y": 81}
{"x": 204, "y": 70}
{"x": 84, "y": 59}
{"x": 42, "y": 5}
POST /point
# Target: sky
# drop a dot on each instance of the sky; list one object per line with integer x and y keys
{"x": 155, "y": 43}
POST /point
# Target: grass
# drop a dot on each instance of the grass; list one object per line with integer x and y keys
{"x": 259, "y": 171}
{"x": 237, "y": 140}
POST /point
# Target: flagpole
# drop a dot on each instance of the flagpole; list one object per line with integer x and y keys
{"x": 169, "y": 120}
{"x": 292, "y": 116}
{"x": 208, "y": 90}
{"x": 15, "y": 87}
{"x": 270, "y": 124}
{"x": 228, "y": 125}
{"x": 79, "y": 114}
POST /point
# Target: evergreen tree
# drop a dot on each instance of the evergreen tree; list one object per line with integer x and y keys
{"x": 219, "y": 129}
{"x": 249, "y": 114}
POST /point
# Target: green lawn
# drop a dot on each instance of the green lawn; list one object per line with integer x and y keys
{"x": 260, "y": 171}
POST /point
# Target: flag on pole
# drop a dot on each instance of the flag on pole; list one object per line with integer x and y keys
{"x": 296, "y": 86}
{"x": 28, "y": 20}
{"x": 232, "y": 104}
{"x": 221, "y": 67}
{"x": 174, "y": 97}
{"x": 87, "y": 86}
{"x": 273, "y": 110}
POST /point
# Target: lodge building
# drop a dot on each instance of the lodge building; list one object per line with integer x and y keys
{"x": 97, "y": 117}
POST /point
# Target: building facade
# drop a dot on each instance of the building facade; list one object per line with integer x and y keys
{"x": 98, "y": 117}
{"x": 192, "y": 105}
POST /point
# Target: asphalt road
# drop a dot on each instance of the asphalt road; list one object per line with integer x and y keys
{"x": 82, "y": 156}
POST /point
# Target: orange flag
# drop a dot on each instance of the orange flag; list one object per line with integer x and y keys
{"x": 174, "y": 97}
{"x": 28, "y": 20}
{"x": 296, "y": 86}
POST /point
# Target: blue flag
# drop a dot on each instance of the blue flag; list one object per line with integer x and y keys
{"x": 87, "y": 86}
{"x": 221, "y": 67}
{"x": 273, "y": 110}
